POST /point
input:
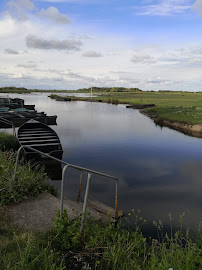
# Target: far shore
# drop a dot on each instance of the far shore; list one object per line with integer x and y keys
{"x": 191, "y": 129}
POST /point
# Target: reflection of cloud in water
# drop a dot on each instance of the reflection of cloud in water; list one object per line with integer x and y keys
{"x": 193, "y": 170}
{"x": 155, "y": 168}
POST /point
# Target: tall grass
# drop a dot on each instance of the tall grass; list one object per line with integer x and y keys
{"x": 21, "y": 250}
{"x": 30, "y": 180}
{"x": 102, "y": 246}
{"x": 8, "y": 142}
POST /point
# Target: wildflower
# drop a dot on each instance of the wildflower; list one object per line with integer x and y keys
{"x": 144, "y": 220}
{"x": 133, "y": 210}
{"x": 129, "y": 214}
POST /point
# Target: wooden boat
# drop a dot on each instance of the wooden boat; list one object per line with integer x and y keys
{"x": 19, "y": 118}
{"x": 40, "y": 137}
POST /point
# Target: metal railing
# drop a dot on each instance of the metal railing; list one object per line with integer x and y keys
{"x": 5, "y": 121}
{"x": 81, "y": 169}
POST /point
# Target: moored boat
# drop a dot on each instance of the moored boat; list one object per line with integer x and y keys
{"x": 40, "y": 137}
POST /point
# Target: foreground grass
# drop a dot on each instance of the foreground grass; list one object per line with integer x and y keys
{"x": 102, "y": 246}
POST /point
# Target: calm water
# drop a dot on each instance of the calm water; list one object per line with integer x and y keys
{"x": 159, "y": 170}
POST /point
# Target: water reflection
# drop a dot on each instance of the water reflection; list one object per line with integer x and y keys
{"x": 158, "y": 169}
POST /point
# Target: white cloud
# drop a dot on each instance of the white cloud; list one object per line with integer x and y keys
{"x": 39, "y": 43}
{"x": 143, "y": 59}
{"x": 165, "y": 8}
{"x": 27, "y": 65}
{"x": 10, "y": 51}
{"x": 195, "y": 60}
{"x": 18, "y": 76}
{"x": 20, "y": 8}
{"x": 78, "y": 1}
{"x": 197, "y": 6}
{"x": 91, "y": 54}
{"x": 54, "y": 15}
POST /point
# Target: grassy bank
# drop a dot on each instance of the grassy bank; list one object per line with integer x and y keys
{"x": 100, "y": 247}
{"x": 189, "y": 115}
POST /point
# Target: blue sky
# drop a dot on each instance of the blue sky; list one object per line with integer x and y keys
{"x": 71, "y": 44}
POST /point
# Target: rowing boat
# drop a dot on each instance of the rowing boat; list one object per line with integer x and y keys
{"x": 40, "y": 137}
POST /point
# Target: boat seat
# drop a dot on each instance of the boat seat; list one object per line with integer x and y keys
{"x": 39, "y": 141}
{"x": 45, "y": 144}
{"x": 40, "y": 137}
{"x": 35, "y": 131}
{"x": 28, "y": 129}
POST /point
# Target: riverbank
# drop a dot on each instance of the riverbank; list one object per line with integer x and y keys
{"x": 194, "y": 130}
{"x": 176, "y": 110}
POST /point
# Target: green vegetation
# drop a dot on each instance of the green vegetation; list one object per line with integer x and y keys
{"x": 22, "y": 90}
{"x": 108, "y": 89}
{"x": 12, "y": 89}
{"x": 161, "y": 99}
{"x": 22, "y": 250}
{"x": 102, "y": 246}
{"x": 192, "y": 115}
{"x": 30, "y": 180}
{"x": 8, "y": 142}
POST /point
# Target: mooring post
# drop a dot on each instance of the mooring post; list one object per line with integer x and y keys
{"x": 16, "y": 164}
{"x": 85, "y": 202}
{"x": 62, "y": 189}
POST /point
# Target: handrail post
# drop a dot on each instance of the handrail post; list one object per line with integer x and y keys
{"x": 80, "y": 185}
{"x": 62, "y": 189}
{"x": 116, "y": 201}
{"x": 85, "y": 202}
{"x": 16, "y": 164}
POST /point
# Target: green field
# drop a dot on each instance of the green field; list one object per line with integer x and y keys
{"x": 173, "y": 106}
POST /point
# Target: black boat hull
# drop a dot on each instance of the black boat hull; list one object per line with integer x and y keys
{"x": 40, "y": 137}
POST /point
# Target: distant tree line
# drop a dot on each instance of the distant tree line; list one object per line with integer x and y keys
{"x": 13, "y": 89}
{"x": 109, "y": 89}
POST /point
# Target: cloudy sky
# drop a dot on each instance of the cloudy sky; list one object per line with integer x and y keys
{"x": 71, "y": 44}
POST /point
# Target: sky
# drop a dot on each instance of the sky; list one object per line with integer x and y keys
{"x": 71, "y": 44}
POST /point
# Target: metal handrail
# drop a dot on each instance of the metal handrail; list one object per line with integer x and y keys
{"x": 6, "y": 121}
{"x": 68, "y": 165}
